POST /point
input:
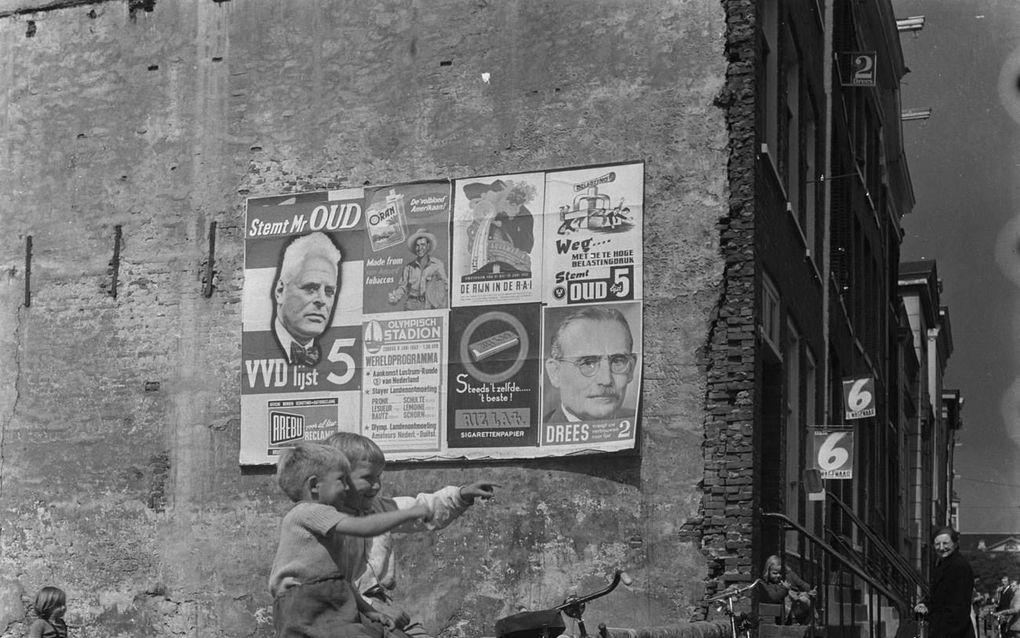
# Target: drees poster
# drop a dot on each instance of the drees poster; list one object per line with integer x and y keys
{"x": 301, "y": 310}
{"x": 592, "y": 376}
{"x": 593, "y": 234}
{"x": 497, "y": 232}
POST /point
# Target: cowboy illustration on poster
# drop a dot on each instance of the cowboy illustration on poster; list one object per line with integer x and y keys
{"x": 407, "y": 247}
{"x": 423, "y": 282}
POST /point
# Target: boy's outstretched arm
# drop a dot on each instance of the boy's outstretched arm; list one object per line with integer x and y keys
{"x": 446, "y": 505}
{"x": 479, "y": 489}
{"x": 375, "y": 524}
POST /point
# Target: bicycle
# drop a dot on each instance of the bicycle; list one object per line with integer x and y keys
{"x": 548, "y": 623}
{"x": 740, "y": 624}
{"x": 921, "y": 626}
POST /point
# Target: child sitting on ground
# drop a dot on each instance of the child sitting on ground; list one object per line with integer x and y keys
{"x": 312, "y": 574}
{"x": 378, "y": 576}
{"x": 50, "y": 605}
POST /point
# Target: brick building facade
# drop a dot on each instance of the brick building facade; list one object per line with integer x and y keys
{"x": 131, "y": 134}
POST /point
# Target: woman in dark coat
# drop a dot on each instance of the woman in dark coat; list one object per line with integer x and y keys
{"x": 952, "y": 588}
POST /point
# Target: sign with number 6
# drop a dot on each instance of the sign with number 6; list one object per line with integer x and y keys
{"x": 834, "y": 453}
{"x": 859, "y": 398}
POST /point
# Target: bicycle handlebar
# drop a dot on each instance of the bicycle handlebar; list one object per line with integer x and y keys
{"x": 575, "y": 601}
{"x": 733, "y": 593}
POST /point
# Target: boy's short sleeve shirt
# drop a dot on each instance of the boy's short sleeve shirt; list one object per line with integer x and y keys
{"x": 310, "y": 547}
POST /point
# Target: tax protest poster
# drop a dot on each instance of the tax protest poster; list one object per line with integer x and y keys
{"x": 594, "y": 253}
{"x": 465, "y": 318}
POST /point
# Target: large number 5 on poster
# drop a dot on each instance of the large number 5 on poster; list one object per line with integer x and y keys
{"x": 621, "y": 282}
{"x": 337, "y": 355}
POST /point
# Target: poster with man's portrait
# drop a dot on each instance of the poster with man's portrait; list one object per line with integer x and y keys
{"x": 478, "y": 317}
{"x": 301, "y": 313}
{"x": 592, "y": 364}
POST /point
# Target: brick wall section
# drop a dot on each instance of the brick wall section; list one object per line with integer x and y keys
{"x": 727, "y": 523}
{"x": 119, "y": 415}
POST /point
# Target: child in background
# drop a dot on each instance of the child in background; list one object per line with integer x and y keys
{"x": 378, "y": 576}
{"x": 50, "y": 605}
{"x": 311, "y": 580}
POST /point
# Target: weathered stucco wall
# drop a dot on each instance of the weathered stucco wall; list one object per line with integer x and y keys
{"x": 119, "y": 479}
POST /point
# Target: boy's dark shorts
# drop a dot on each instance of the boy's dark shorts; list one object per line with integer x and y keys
{"x": 322, "y": 608}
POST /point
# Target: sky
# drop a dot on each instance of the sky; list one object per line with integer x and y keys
{"x": 964, "y": 163}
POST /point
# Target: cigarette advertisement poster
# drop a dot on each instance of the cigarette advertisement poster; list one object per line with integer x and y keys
{"x": 405, "y": 222}
{"x": 467, "y": 318}
{"x": 494, "y": 368}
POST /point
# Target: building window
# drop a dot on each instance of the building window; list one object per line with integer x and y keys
{"x": 792, "y": 169}
{"x": 770, "y": 321}
{"x": 793, "y": 434}
{"x": 811, "y": 182}
{"x": 770, "y": 83}
{"x": 811, "y": 418}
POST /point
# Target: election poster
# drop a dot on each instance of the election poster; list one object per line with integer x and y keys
{"x": 859, "y": 398}
{"x": 497, "y": 228}
{"x": 300, "y": 334}
{"x": 592, "y": 376}
{"x": 464, "y": 318}
{"x": 833, "y": 452}
{"x": 595, "y": 248}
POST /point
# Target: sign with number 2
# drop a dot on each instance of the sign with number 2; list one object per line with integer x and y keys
{"x": 858, "y": 68}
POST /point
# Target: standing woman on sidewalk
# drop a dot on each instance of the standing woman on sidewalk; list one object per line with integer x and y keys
{"x": 952, "y": 588}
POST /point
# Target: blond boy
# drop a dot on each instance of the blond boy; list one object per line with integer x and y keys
{"x": 321, "y": 549}
{"x": 378, "y": 576}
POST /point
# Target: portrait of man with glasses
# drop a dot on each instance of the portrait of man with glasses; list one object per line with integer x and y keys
{"x": 590, "y": 364}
